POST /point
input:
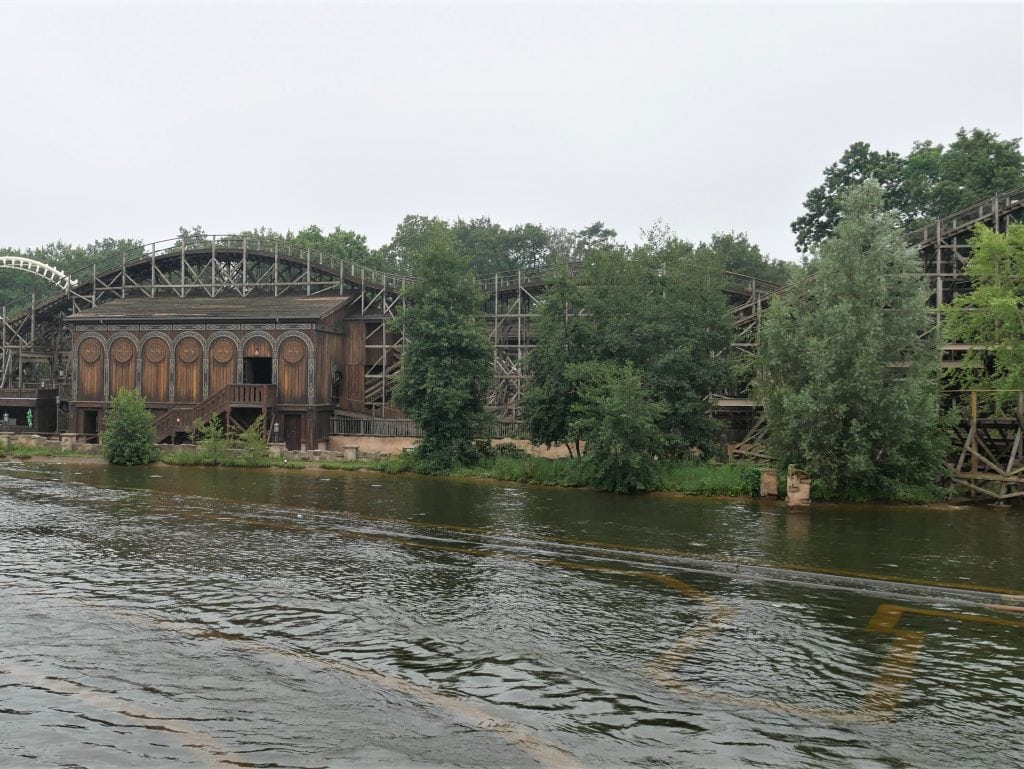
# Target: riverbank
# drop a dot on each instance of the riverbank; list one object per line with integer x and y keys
{"x": 509, "y": 464}
{"x": 737, "y": 480}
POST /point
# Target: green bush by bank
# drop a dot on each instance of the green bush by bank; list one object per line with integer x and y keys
{"x": 129, "y": 437}
{"x": 741, "y": 479}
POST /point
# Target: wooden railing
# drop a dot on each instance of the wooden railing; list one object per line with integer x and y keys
{"x": 27, "y": 392}
{"x": 230, "y": 396}
{"x": 379, "y": 428}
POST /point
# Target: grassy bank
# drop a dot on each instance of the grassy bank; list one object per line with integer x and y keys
{"x": 191, "y": 459}
{"x": 697, "y": 478}
{"x": 27, "y": 452}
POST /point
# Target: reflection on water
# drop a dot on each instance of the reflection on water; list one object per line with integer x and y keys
{"x": 190, "y": 617}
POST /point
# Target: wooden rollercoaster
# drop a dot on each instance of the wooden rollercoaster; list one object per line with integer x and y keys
{"x": 35, "y": 341}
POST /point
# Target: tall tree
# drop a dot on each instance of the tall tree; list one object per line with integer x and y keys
{"x": 550, "y": 391}
{"x": 493, "y": 248}
{"x": 662, "y": 309}
{"x": 857, "y": 164}
{"x": 848, "y": 369}
{"x": 447, "y": 360}
{"x": 621, "y": 419}
{"x": 733, "y": 252}
{"x": 941, "y": 180}
{"x": 932, "y": 181}
{"x": 991, "y": 316}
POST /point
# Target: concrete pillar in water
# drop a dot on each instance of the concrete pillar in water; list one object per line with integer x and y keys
{"x": 798, "y": 487}
{"x": 769, "y": 482}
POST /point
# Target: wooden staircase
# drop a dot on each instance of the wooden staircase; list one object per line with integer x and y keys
{"x": 246, "y": 396}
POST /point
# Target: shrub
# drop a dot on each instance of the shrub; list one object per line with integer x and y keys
{"x": 211, "y": 440}
{"x": 129, "y": 436}
{"x": 253, "y": 443}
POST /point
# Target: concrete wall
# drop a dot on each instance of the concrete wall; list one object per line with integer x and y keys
{"x": 372, "y": 445}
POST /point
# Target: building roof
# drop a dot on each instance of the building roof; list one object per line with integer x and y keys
{"x": 227, "y": 308}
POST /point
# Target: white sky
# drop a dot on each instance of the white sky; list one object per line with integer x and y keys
{"x": 129, "y": 120}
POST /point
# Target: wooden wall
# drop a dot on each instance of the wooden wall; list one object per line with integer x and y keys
{"x": 188, "y": 371}
{"x": 156, "y": 367}
{"x": 223, "y": 363}
{"x": 292, "y": 370}
{"x": 91, "y": 369}
{"x": 353, "y": 362}
{"x": 122, "y": 365}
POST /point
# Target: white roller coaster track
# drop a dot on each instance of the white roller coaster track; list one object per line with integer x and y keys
{"x": 51, "y": 274}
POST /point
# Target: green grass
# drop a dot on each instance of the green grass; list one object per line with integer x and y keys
{"x": 712, "y": 478}
{"x": 27, "y": 452}
{"x": 542, "y": 472}
{"x": 698, "y": 478}
{"x": 191, "y": 459}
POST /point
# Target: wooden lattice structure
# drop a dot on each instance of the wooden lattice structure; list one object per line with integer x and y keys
{"x": 38, "y": 354}
{"x": 991, "y": 458}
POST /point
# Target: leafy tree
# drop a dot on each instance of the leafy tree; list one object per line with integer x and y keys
{"x": 621, "y": 421}
{"x": 857, "y": 164}
{"x": 412, "y": 239}
{"x": 447, "y": 359}
{"x": 17, "y": 288}
{"x": 346, "y": 244}
{"x": 129, "y": 436}
{"x": 734, "y": 252}
{"x": 550, "y": 391}
{"x": 656, "y": 309}
{"x": 661, "y": 309}
{"x": 493, "y": 248}
{"x": 932, "y": 181}
{"x": 941, "y": 180}
{"x": 992, "y": 314}
{"x": 848, "y": 369}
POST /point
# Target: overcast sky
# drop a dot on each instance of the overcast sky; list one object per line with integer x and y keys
{"x": 130, "y": 120}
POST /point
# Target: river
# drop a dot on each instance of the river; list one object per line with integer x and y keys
{"x": 180, "y": 617}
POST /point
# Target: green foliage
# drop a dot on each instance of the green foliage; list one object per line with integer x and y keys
{"x": 656, "y": 309}
{"x": 345, "y": 244}
{"x": 941, "y": 180}
{"x": 735, "y": 253}
{"x": 857, "y": 164}
{"x": 27, "y": 452}
{"x": 129, "y": 435}
{"x": 661, "y": 309}
{"x": 493, "y": 248}
{"x": 252, "y": 442}
{"x": 848, "y": 366}
{"x": 211, "y": 441}
{"x": 620, "y": 420}
{"x": 447, "y": 357}
{"x": 992, "y": 314}
{"x": 932, "y": 181}
{"x": 712, "y": 478}
{"x": 16, "y": 288}
{"x": 550, "y": 391}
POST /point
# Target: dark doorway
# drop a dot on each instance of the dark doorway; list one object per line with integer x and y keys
{"x": 90, "y": 421}
{"x": 257, "y": 371}
{"x": 293, "y": 432}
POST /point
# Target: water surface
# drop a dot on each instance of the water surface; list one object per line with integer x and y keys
{"x": 213, "y": 617}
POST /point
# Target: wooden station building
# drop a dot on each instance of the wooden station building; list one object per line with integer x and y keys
{"x": 283, "y": 357}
